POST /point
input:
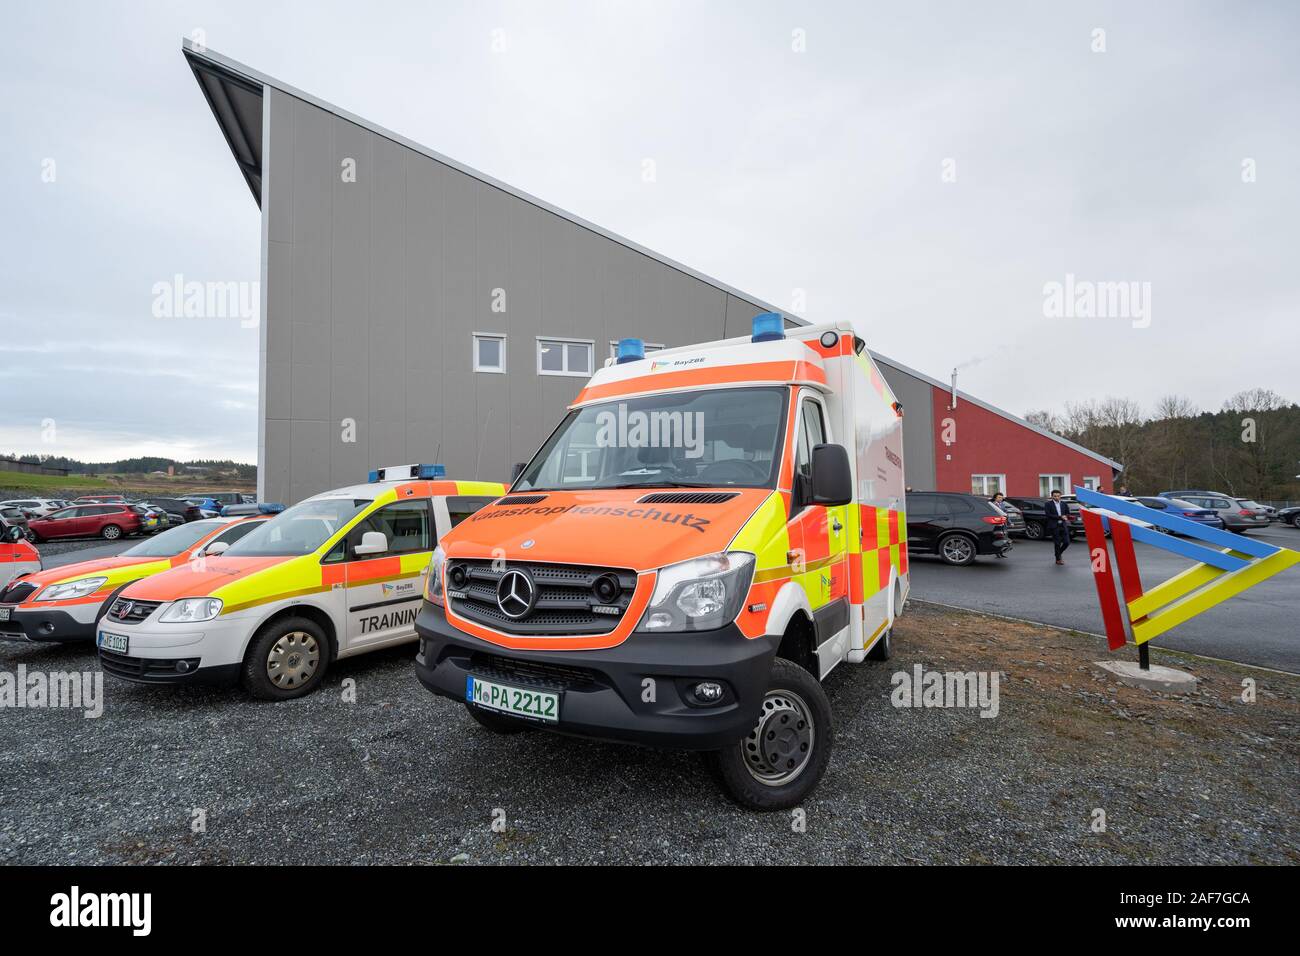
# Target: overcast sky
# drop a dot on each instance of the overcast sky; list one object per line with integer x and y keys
{"x": 924, "y": 170}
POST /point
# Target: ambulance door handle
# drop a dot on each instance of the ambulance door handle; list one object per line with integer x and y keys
{"x": 836, "y": 526}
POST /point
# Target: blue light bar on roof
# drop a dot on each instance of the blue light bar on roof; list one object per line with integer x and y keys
{"x": 408, "y": 473}
{"x": 768, "y": 327}
{"x": 630, "y": 350}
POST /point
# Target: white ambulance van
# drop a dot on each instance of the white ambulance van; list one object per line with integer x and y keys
{"x": 708, "y": 533}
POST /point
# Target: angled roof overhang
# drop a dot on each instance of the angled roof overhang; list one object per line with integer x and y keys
{"x": 236, "y": 102}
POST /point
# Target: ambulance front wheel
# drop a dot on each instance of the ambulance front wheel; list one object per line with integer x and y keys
{"x": 286, "y": 659}
{"x": 782, "y": 759}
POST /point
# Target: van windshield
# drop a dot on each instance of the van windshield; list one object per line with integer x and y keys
{"x": 298, "y": 530}
{"x": 725, "y": 437}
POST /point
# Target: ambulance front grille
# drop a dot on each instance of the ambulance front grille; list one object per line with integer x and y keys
{"x": 565, "y": 602}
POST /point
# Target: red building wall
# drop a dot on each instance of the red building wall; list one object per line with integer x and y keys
{"x": 985, "y": 443}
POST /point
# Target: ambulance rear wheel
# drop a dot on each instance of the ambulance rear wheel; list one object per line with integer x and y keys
{"x": 286, "y": 659}
{"x": 782, "y": 759}
{"x": 497, "y": 723}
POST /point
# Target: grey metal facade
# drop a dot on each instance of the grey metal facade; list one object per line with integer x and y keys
{"x": 374, "y": 285}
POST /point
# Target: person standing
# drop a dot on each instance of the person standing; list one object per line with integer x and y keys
{"x": 1057, "y": 513}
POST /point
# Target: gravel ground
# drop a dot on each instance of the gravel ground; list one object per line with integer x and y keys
{"x": 400, "y": 776}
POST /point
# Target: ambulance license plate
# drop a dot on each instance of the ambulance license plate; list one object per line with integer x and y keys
{"x": 117, "y": 643}
{"x": 4, "y": 613}
{"x": 532, "y": 704}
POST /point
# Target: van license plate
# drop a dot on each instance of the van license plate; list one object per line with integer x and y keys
{"x": 532, "y": 704}
{"x": 117, "y": 643}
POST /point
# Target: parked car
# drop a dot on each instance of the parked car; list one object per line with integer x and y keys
{"x": 163, "y": 520}
{"x": 108, "y": 521}
{"x": 1035, "y": 514}
{"x": 1185, "y": 509}
{"x": 226, "y": 497}
{"x": 1236, "y": 513}
{"x": 34, "y": 507}
{"x": 1268, "y": 512}
{"x": 178, "y": 510}
{"x": 207, "y": 507}
{"x": 1015, "y": 518}
{"x": 955, "y": 526}
{"x": 1290, "y": 516}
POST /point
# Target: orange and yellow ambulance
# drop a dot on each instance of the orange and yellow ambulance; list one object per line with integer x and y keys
{"x": 336, "y": 575}
{"x": 705, "y": 536}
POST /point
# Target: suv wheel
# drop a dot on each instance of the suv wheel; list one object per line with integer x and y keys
{"x": 1295, "y": 520}
{"x": 956, "y": 549}
{"x": 1034, "y": 530}
{"x": 110, "y": 532}
{"x": 782, "y": 759}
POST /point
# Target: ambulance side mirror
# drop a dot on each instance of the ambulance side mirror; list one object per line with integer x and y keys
{"x": 216, "y": 548}
{"x": 14, "y": 532}
{"x": 832, "y": 479}
{"x": 517, "y": 471}
{"x": 372, "y": 542}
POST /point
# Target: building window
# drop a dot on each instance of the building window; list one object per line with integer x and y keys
{"x": 564, "y": 356}
{"x": 1049, "y": 483}
{"x": 988, "y": 485}
{"x": 489, "y": 352}
{"x": 1092, "y": 482}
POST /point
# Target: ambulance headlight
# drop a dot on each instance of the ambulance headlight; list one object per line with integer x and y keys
{"x": 191, "y": 611}
{"x": 699, "y": 595}
{"x": 433, "y": 592}
{"x": 73, "y": 589}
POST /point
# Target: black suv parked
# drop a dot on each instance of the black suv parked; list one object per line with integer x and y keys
{"x": 1290, "y": 516}
{"x": 954, "y": 526}
{"x": 1035, "y": 511}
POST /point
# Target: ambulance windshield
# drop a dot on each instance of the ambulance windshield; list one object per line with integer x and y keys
{"x": 722, "y": 437}
{"x": 298, "y": 530}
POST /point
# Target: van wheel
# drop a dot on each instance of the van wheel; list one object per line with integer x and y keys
{"x": 1034, "y": 530}
{"x": 497, "y": 723}
{"x": 286, "y": 659}
{"x": 111, "y": 532}
{"x": 782, "y": 759}
{"x": 957, "y": 549}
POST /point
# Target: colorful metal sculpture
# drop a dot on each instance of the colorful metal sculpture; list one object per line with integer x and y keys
{"x": 1227, "y": 564}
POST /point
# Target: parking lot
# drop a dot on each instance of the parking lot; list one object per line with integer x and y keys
{"x": 402, "y": 777}
{"x": 1259, "y": 627}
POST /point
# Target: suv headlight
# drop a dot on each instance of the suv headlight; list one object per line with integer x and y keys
{"x": 433, "y": 592}
{"x": 191, "y": 611}
{"x": 73, "y": 589}
{"x": 699, "y": 595}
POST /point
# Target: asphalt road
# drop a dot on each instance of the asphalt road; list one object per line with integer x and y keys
{"x": 1260, "y": 626}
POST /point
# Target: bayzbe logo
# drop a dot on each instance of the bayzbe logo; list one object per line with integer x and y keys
{"x": 103, "y": 909}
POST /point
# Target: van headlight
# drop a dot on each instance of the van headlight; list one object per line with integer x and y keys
{"x": 699, "y": 595}
{"x": 433, "y": 592}
{"x": 191, "y": 611}
{"x": 73, "y": 589}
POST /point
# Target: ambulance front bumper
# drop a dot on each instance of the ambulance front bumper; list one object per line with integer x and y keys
{"x": 640, "y": 692}
{"x": 31, "y": 622}
{"x": 157, "y": 653}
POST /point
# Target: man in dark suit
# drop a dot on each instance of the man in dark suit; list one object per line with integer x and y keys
{"x": 1058, "y": 524}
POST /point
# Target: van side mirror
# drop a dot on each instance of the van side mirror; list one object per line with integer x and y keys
{"x": 832, "y": 479}
{"x": 372, "y": 542}
{"x": 216, "y": 548}
{"x": 517, "y": 471}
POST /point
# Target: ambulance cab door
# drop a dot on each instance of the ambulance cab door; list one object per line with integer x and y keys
{"x": 820, "y": 534}
{"x": 384, "y": 590}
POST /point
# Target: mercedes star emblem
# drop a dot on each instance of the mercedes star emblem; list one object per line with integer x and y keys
{"x": 516, "y": 594}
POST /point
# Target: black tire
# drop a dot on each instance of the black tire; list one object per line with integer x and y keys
{"x": 497, "y": 723}
{"x": 957, "y": 549}
{"x": 1295, "y": 521}
{"x": 791, "y": 691}
{"x": 1035, "y": 531}
{"x": 299, "y": 640}
{"x": 35, "y": 538}
{"x": 110, "y": 532}
{"x": 883, "y": 649}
